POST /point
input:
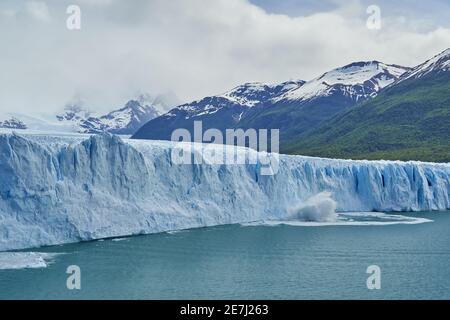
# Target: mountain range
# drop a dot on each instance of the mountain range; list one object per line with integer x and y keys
{"x": 294, "y": 107}
{"x": 126, "y": 120}
{"x": 76, "y": 117}
{"x": 362, "y": 110}
{"x": 12, "y": 123}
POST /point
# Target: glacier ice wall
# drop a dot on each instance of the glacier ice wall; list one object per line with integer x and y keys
{"x": 65, "y": 189}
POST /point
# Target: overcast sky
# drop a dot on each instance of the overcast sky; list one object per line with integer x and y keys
{"x": 196, "y": 48}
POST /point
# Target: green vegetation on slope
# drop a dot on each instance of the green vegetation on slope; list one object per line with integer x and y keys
{"x": 409, "y": 121}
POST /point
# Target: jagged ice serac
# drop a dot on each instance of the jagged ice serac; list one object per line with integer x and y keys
{"x": 61, "y": 189}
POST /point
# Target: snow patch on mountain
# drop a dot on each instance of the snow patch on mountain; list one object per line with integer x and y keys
{"x": 74, "y": 115}
{"x": 161, "y": 103}
{"x": 357, "y": 80}
{"x": 439, "y": 63}
{"x": 123, "y": 121}
{"x": 251, "y": 94}
{"x": 242, "y": 97}
{"x": 206, "y": 106}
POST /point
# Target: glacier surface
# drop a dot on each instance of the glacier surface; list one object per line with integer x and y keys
{"x": 60, "y": 189}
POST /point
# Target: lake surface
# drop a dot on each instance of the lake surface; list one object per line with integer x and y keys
{"x": 250, "y": 262}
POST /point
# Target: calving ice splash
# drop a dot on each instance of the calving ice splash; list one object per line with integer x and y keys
{"x": 320, "y": 207}
{"x": 320, "y": 210}
{"x": 56, "y": 189}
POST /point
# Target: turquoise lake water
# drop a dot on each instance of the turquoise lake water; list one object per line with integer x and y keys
{"x": 250, "y": 262}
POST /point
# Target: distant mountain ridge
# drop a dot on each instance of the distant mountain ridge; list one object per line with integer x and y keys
{"x": 294, "y": 107}
{"x": 76, "y": 117}
{"x": 126, "y": 120}
{"x": 12, "y": 123}
{"x": 222, "y": 111}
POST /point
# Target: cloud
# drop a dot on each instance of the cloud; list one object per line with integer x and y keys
{"x": 192, "y": 47}
{"x": 95, "y": 2}
{"x": 38, "y": 10}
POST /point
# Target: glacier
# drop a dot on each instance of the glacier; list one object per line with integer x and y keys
{"x": 62, "y": 189}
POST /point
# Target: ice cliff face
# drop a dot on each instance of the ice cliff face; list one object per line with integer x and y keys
{"x": 64, "y": 189}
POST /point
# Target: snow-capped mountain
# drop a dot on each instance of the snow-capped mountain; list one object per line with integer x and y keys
{"x": 12, "y": 123}
{"x": 437, "y": 64}
{"x": 241, "y": 97}
{"x": 221, "y": 111}
{"x": 161, "y": 102}
{"x": 293, "y": 107}
{"x": 125, "y": 120}
{"x": 408, "y": 121}
{"x": 252, "y": 94}
{"x": 74, "y": 114}
{"x": 359, "y": 80}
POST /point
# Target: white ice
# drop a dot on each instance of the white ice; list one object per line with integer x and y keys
{"x": 347, "y": 219}
{"x": 56, "y": 190}
{"x": 25, "y": 260}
